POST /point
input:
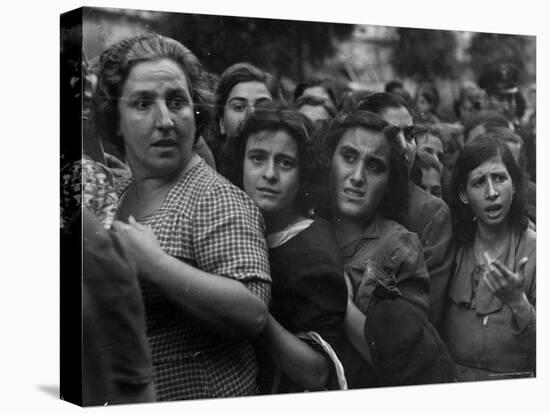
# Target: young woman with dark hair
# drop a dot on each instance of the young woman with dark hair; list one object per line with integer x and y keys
{"x": 427, "y": 216}
{"x": 271, "y": 159}
{"x": 490, "y": 321}
{"x": 383, "y": 260}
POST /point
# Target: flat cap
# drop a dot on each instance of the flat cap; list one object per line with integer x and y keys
{"x": 500, "y": 78}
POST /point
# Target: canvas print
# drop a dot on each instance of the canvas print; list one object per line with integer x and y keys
{"x": 252, "y": 206}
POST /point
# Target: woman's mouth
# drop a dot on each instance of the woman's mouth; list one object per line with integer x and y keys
{"x": 354, "y": 192}
{"x": 267, "y": 191}
{"x": 494, "y": 210}
{"x": 165, "y": 143}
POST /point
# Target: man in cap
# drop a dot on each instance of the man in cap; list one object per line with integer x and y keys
{"x": 500, "y": 82}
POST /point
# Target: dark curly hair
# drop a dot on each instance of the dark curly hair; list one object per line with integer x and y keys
{"x": 394, "y": 204}
{"x": 475, "y": 152}
{"x": 270, "y": 116}
{"x": 115, "y": 65}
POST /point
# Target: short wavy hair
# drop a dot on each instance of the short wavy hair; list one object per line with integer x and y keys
{"x": 115, "y": 64}
{"x": 475, "y": 152}
{"x": 271, "y": 116}
{"x": 394, "y": 204}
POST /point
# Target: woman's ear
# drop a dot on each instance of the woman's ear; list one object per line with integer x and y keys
{"x": 222, "y": 127}
{"x": 463, "y": 197}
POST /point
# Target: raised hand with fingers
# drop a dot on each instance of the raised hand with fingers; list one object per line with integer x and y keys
{"x": 507, "y": 285}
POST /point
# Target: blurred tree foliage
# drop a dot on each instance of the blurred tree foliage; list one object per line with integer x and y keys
{"x": 280, "y": 46}
{"x": 487, "y": 48}
{"x": 424, "y": 54}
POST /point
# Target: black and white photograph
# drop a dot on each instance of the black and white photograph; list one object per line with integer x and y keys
{"x": 264, "y": 211}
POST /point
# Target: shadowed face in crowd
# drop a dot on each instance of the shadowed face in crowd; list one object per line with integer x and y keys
{"x": 431, "y": 145}
{"x": 360, "y": 172}
{"x": 400, "y": 117}
{"x": 422, "y": 104}
{"x": 242, "y": 99}
{"x": 504, "y": 103}
{"x": 431, "y": 181}
{"x": 157, "y": 120}
{"x": 271, "y": 173}
{"x": 319, "y": 92}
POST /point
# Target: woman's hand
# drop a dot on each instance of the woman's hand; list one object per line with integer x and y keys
{"x": 119, "y": 170}
{"x": 349, "y": 286}
{"x": 142, "y": 242}
{"x": 505, "y": 284}
{"x": 225, "y": 305}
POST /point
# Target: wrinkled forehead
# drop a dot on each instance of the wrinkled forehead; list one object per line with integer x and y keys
{"x": 490, "y": 166}
{"x": 154, "y": 73}
{"x": 366, "y": 142}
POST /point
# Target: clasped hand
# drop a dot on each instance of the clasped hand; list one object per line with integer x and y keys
{"x": 141, "y": 241}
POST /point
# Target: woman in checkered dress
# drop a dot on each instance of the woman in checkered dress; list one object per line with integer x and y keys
{"x": 197, "y": 239}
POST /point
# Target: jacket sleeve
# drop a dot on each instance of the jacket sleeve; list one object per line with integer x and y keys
{"x": 436, "y": 239}
{"x": 407, "y": 264}
{"x": 400, "y": 266}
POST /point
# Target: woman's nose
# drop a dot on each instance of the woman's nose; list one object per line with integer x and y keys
{"x": 492, "y": 192}
{"x": 163, "y": 116}
{"x": 358, "y": 175}
{"x": 270, "y": 171}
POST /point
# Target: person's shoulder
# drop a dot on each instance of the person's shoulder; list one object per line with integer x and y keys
{"x": 321, "y": 227}
{"x": 389, "y": 227}
{"x": 215, "y": 188}
{"x": 529, "y": 239}
{"x": 427, "y": 201}
{"x": 396, "y": 236}
{"x": 316, "y": 239}
{"x": 321, "y": 237}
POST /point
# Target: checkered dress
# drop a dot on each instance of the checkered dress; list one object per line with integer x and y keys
{"x": 212, "y": 225}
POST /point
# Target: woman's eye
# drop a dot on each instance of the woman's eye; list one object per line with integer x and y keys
{"x": 348, "y": 157}
{"x": 143, "y": 103}
{"x": 373, "y": 165}
{"x": 256, "y": 158}
{"x": 238, "y": 107}
{"x": 286, "y": 164}
{"x": 177, "y": 103}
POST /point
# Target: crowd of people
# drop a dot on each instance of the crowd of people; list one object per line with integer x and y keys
{"x": 328, "y": 241}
